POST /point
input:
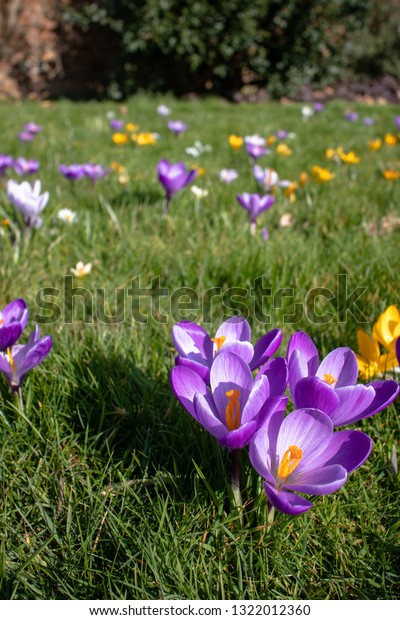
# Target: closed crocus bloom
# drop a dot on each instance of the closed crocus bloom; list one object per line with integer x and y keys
{"x": 374, "y": 145}
{"x": 18, "y": 360}
{"x": 331, "y": 385}
{"x": 24, "y": 166}
{"x": 197, "y": 350}
{"x": 28, "y": 200}
{"x": 322, "y": 175}
{"x": 72, "y": 172}
{"x": 95, "y": 172}
{"x": 173, "y": 177}
{"x": 387, "y": 328}
{"x": 13, "y": 319}
{"x": 177, "y": 127}
{"x": 6, "y": 161}
{"x": 369, "y": 358}
{"x": 300, "y": 453}
{"x": 233, "y": 408}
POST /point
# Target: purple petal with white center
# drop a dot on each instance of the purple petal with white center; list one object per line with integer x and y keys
{"x": 340, "y": 364}
{"x": 353, "y": 400}
{"x": 350, "y": 449}
{"x": 286, "y": 502}
{"x": 266, "y": 346}
{"x": 319, "y": 481}
{"x": 385, "y": 393}
{"x": 262, "y": 451}
{"x": 235, "y": 328}
{"x": 301, "y": 342}
{"x": 36, "y": 353}
{"x": 242, "y": 349}
{"x": 237, "y": 439}
{"x": 311, "y": 392}
{"x": 308, "y": 429}
{"x": 192, "y": 341}
{"x": 201, "y": 369}
{"x": 185, "y": 384}
{"x": 229, "y": 372}
{"x": 257, "y": 399}
{"x": 207, "y": 416}
{"x": 276, "y": 371}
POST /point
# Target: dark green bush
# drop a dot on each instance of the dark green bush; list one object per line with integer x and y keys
{"x": 219, "y": 45}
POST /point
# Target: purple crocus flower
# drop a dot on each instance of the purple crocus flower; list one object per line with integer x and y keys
{"x": 28, "y": 200}
{"x": 227, "y": 175}
{"x": 5, "y": 162}
{"x": 32, "y": 128}
{"x": 331, "y": 385}
{"x": 256, "y": 150}
{"x": 197, "y": 350}
{"x": 116, "y": 124}
{"x": 163, "y": 110}
{"x": 301, "y": 454}
{"x": 72, "y": 172}
{"x": 235, "y": 407}
{"x": 281, "y": 134}
{"x": 13, "y": 319}
{"x": 26, "y": 136}
{"x": 255, "y": 205}
{"x": 350, "y": 116}
{"x": 173, "y": 177}
{"x": 397, "y": 122}
{"x": 21, "y": 358}
{"x": 95, "y": 171}
{"x": 318, "y": 106}
{"x": 177, "y": 127}
{"x": 24, "y": 166}
{"x": 368, "y": 121}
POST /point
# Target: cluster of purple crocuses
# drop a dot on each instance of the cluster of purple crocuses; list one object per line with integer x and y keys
{"x": 74, "y": 172}
{"x": 20, "y": 165}
{"x": 29, "y": 131}
{"x": 16, "y": 360}
{"x": 236, "y": 391}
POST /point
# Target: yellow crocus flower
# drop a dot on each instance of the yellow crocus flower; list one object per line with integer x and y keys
{"x": 120, "y": 138}
{"x": 282, "y": 149}
{"x": 369, "y": 359}
{"x": 390, "y": 139}
{"x": 374, "y": 145}
{"x": 235, "y": 141}
{"x": 387, "y": 328}
{"x": 322, "y": 175}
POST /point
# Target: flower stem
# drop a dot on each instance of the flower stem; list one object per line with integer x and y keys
{"x": 235, "y": 483}
{"x": 271, "y": 514}
{"x": 18, "y": 402}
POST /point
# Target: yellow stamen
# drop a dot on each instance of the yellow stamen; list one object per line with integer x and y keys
{"x": 330, "y": 379}
{"x": 232, "y": 410}
{"x": 10, "y": 359}
{"x": 219, "y": 341}
{"x": 1, "y": 321}
{"x": 289, "y": 462}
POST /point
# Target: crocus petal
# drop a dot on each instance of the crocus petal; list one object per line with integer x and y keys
{"x": 5, "y": 367}
{"x": 288, "y": 503}
{"x": 265, "y": 347}
{"x": 353, "y": 400}
{"x": 191, "y": 340}
{"x": 385, "y": 393}
{"x": 201, "y": 369}
{"x": 257, "y": 398}
{"x": 242, "y": 349}
{"x": 347, "y": 448}
{"x": 17, "y": 310}
{"x": 9, "y": 335}
{"x": 35, "y": 355}
{"x": 398, "y": 349}
{"x": 229, "y": 372}
{"x": 185, "y": 384}
{"x": 235, "y": 328}
{"x": 317, "y": 394}
{"x": 276, "y": 371}
{"x": 262, "y": 451}
{"x": 340, "y": 364}
{"x": 207, "y": 416}
{"x": 301, "y": 342}
{"x": 237, "y": 439}
{"x": 319, "y": 481}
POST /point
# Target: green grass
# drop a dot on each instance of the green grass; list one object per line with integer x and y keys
{"x": 108, "y": 489}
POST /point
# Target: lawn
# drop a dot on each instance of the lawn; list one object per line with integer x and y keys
{"x": 108, "y": 488}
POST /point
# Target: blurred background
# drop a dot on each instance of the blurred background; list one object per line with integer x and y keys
{"x": 240, "y": 49}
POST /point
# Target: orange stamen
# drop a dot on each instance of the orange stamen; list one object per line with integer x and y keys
{"x": 219, "y": 342}
{"x": 232, "y": 411}
{"x": 10, "y": 359}
{"x": 330, "y": 379}
{"x": 289, "y": 462}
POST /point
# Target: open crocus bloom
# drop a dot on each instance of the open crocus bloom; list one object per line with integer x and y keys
{"x": 19, "y": 359}
{"x": 255, "y": 204}
{"x": 235, "y": 407}
{"x": 196, "y": 349}
{"x": 301, "y": 454}
{"x": 72, "y": 172}
{"x": 28, "y": 200}
{"x": 13, "y": 320}
{"x": 24, "y": 166}
{"x": 331, "y": 385}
